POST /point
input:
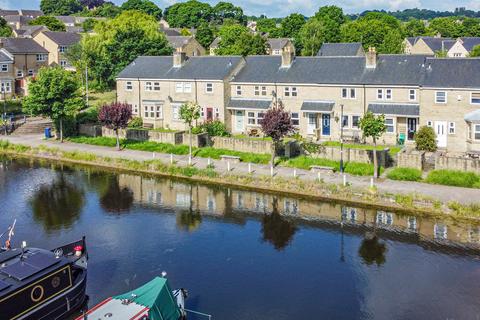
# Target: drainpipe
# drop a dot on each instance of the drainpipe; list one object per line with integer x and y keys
{"x": 139, "y": 99}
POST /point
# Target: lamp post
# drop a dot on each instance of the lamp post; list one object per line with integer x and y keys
{"x": 4, "y": 108}
{"x": 341, "y": 138}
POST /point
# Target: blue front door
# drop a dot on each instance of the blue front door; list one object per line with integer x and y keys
{"x": 325, "y": 124}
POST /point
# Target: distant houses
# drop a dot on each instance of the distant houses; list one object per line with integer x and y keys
{"x": 438, "y": 46}
{"x": 348, "y": 49}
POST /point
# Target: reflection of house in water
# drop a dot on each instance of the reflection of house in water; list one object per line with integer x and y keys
{"x": 238, "y": 205}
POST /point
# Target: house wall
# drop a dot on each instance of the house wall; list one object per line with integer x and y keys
{"x": 24, "y": 63}
{"x": 50, "y": 45}
{"x": 193, "y": 48}
{"x": 420, "y": 47}
{"x": 457, "y": 51}
{"x": 8, "y": 77}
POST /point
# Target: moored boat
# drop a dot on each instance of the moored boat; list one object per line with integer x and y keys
{"x": 42, "y": 284}
{"x": 153, "y": 301}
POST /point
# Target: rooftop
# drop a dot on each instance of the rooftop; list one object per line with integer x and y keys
{"x": 63, "y": 38}
{"x": 22, "y": 45}
{"x": 341, "y": 49}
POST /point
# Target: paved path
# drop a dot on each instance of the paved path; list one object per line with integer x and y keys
{"x": 442, "y": 193}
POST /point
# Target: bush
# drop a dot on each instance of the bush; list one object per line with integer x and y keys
{"x": 90, "y": 115}
{"x": 69, "y": 127}
{"x": 214, "y": 128}
{"x": 405, "y": 174}
{"x": 454, "y": 178}
{"x": 425, "y": 139}
{"x": 136, "y": 123}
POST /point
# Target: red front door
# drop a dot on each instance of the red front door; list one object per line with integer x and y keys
{"x": 209, "y": 114}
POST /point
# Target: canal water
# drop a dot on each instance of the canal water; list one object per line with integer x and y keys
{"x": 242, "y": 254}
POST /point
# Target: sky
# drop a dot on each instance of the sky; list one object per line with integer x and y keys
{"x": 281, "y": 8}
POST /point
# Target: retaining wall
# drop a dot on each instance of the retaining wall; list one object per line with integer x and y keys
{"x": 243, "y": 145}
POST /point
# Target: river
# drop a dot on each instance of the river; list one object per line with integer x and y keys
{"x": 244, "y": 254}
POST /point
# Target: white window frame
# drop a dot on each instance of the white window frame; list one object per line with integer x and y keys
{"x": 156, "y": 86}
{"x": 217, "y": 113}
{"x": 294, "y": 91}
{"x": 158, "y": 111}
{"x": 358, "y": 122}
{"x": 148, "y": 86}
{"x": 256, "y": 90}
{"x": 63, "y": 63}
{"x": 451, "y": 128}
{"x": 344, "y": 93}
{"x": 353, "y": 93}
{"x": 390, "y": 125}
{"x": 4, "y": 67}
{"x": 20, "y": 73}
{"x": 296, "y": 119}
{"x": 430, "y": 123}
{"x": 264, "y": 90}
{"x": 41, "y": 57}
{"x": 129, "y": 86}
{"x": 176, "y": 111}
{"x": 445, "y": 97}
{"x": 179, "y": 87}
{"x": 412, "y": 94}
{"x": 476, "y": 131}
{"x": 31, "y": 72}
{"x": 251, "y": 118}
{"x": 209, "y": 87}
{"x": 347, "y": 119}
{"x": 441, "y": 234}
{"x": 472, "y": 98}
{"x": 388, "y": 94}
{"x": 62, "y": 49}
{"x": 187, "y": 87}
{"x": 238, "y": 90}
{"x": 380, "y": 94}
{"x": 6, "y": 85}
{"x": 286, "y": 91}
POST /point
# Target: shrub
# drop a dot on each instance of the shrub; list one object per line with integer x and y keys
{"x": 425, "y": 139}
{"x": 214, "y": 128}
{"x": 136, "y": 123}
{"x": 90, "y": 115}
{"x": 405, "y": 174}
{"x": 454, "y": 178}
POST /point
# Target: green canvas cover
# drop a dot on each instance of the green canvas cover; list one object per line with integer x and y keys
{"x": 157, "y": 296}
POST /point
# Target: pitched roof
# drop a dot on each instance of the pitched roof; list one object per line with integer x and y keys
{"x": 4, "y": 13}
{"x": 31, "y": 13}
{"x": 395, "y": 109}
{"x": 63, "y": 38}
{"x": 179, "y": 41}
{"x": 29, "y": 31}
{"x": 215, "y": 42}
{"x": 22, "y": 45}
{"x": 317, "y": 106}
{"x": 473, "y": 116}
{"x": 66, "y": 19}
{"x": 23, "y": 20}
{"x": 5, "y": 57}
{"x": 341, "y": 49}
{"x": 470, "y": 42}
{"x": 452, "y": 73}
{"x": 437, "y": 44}
{"x": 255, "y": 104}
{"x": 396, "y": 69}
{"x": 200, "y": 67}
{"x": 277, "y": 43}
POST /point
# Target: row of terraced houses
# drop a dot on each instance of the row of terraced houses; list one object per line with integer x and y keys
{"x": 322, "y": 93}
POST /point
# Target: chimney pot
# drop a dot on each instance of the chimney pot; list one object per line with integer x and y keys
{"x": 179, "y": 59}
{"x": 371, "y": 58}
{"x": 288, "y": 56}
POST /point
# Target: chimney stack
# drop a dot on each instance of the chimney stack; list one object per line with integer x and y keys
{"x": 288, "y": 56}
{"x": 371, "y": 58}
{"x": 179, "y": 58}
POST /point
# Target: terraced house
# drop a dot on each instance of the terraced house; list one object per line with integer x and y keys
{"x": 322, "y": 93}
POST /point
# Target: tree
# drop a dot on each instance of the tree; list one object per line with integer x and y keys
{"x": 426, "y": 139}
{"x": 372, "y": 250}
{"x": 146, "y": 6}
{"x": 88, "y": 25}
{"x": 116, "y": 199}
{"x": 54, "y": 93}
{"x": 60, "y": 7}
{"x": 52, "y": 23}
{"x": 332, "y": 18}
{"x": 446, "y": 27}
{"x": 204, "y": 35}
{"x": 276, "y": 229}
{"x": 226, "y": 10}
{"x": 291, "y": 25}
{"x": 475, "y": 51}
{"x": 190, "y": 112}
{"x": 470, "y": 27}
{"x": 5, "y": 30}
{"x": 92, "y": 4}
{"x": 267, "y": 25}
{"x": 188, "y": 14}
{"x": 415, "y": 28}
{"x": 311, "y": 37}
{"x": 107, "y": 10}
{"x": 238, "y": 40}
{"x": 276, "y": 124}
{"x": 373, "y": 127}
{"x": 115, "y": 116}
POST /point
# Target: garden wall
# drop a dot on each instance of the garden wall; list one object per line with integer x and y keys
{"x": 146, "y": 135}
{"x": 90, "y": 130}
{"x": 411, "y": 159}
{"x": 457, "y": 163}
{"x": 355, "y": 155}
{"x": 243, "y": 145}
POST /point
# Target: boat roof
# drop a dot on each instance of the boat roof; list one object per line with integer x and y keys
{"x": 117, "y": 310}
{"x": 17, "y": 271}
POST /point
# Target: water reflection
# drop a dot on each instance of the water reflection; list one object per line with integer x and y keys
{"x": 57, "y": 205}
{"x": 276, "y": 229}
{"x": 372, "y": 250}
{"x": 116, "y": 199}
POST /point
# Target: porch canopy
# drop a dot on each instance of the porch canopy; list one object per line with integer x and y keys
{"x": 473, "y": 116}
{"x": 395, "y": 109}
{"x": 317, "y": 106}
{"x": 249, "y": 104}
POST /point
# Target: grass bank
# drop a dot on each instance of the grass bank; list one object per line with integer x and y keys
{"x": 353, "y": 168}
{"x": 441, "y": 177}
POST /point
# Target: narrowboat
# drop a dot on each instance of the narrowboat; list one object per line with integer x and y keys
{"x": 39, "y": 284}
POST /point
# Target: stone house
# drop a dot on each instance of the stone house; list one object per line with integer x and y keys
{"x": 463, "y": 47}
{"x": 57, "y": 43}
{"x": 28, "y": 31}
{"x": 28, "y": 56}
{"x": 348, "y": 49}
{"x": 186, "y": 44}
{"x": 7, "y": 75}
{"x": 156, "y": 87}
{"x": 214, "y": 45}
{"x": 276, "y": 46}
{"x": 427, "y": 45}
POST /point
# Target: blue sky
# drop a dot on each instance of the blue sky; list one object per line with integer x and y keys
{"x": 278, "y": 8}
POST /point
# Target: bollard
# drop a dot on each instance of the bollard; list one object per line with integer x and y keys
{"x": 171, "y": 158}
{"x": 344, "y": 180}
{"x": 209, "y": 162}
{"x": 249, "y": 168}
{"x": 189, "y": 160}
{"x": 294, "y": 173}
{"x": 371, "y": 182}
{"x": 271, "y": 171}
{"x": 228, "y": 166}
{"x": 318, "y": 176}
{"x": 153, "y": 155}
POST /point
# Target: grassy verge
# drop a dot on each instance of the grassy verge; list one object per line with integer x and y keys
{"x": 354, "y": 168}
{"x": 98, "y": 99}
{"x": 393, "y": 149}
{"x": 405, "y": 174}
{"x": 454, "y": 178}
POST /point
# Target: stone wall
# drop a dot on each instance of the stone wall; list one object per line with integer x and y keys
{"x": 90, "y": 130}
{"x": 355, "y": 155}
{"x": 198, "y": 140}
{"x": 411, "y": 159}
{"x": 243, "y": 145}
{"x": 146, "y": 135}
{"x": 457, "y": 163}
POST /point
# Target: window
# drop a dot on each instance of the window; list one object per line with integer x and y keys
{"x": 187, "y": 87}
{"x": 384, "y": 94}
{"x": 19, "y": 73}
{"x": 440, "y": 231}
{"x": 135, "y": 109}
{"x": 355, "y": 121}
{"x": 290, "y": 91}
{"x": 475, "y": 98}
{"x": 264, "y": 91}
{"x": 257, "y": 90}
{"x": 209, "y": 88}
{"x": 412, "y": 223}
{"x": 412, "y": 95}
{"x": 429, "y": 124}
{"x": 294, "y": 91}
{"x": 159, "y": 112}
{"x": 251, "y": 117}
{"x": 217, "y": 113}
{"x": 477, "y": 132}
{"x": 349, "y": 215}
{"x": 4, "y": 68}
{"x": 239, "y": 90}
{"x": 176, "y": 111}
{"x": 145, "y": 108}
{"x": 295, "y": 116}
{"x": 390, "y": 125}
{"x": 128, "y": 86}
{"x": 451, "y": 128}
{"x": 276, "y": 52}
{"x": 287, "y": 91}
{"x": 440, "y": 97}
{"x": 41, "y": 57}
{"x": 260, "y": 116}
{"x": 384, "y": 218}
{"x": 345, "y": 93}
{"x": 30, "y": 72}
{"x": 353, "y": 93}
{"x": 156, "y": 86}
{"x": 388, "y": 94}
{"x": 379, "y": 94}
{"x": 345, "y": 121}
{"x": 255, "y": 118}
{"x": 62, "y": 49}
{"x": 349, "y": 93}
{"x": 148, "y": 86}
{"x": 291, "y": 206}
{"x": 178, "y": 87}
{"x": 260, "y": 90}
{"x": 63, "y": 63}
{"x": 6, "y": 87}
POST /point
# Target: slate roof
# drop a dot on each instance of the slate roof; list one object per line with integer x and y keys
{"x": 31, "y": 13}
{"x": 396, "y": 69}
{"x": 22, "y": 45}
{"x": 215, "y": 42}
{"x": 66, "y": 19}
{"x": 473, "y": 116}
{"x": 341, "y": 49}
{"x": 437, "y": 44}
{"x": 277, "y": 43}
{"x": 317, "y": 106}
{"x": 452, "y": 73}
{"x": 470, "y": 42}
{"x": 4, "y": 57}
{"x": 23, "y": 20}
{"x": 4, "y": 13}
{"x": 254, "y": 104}
{"x": 178, "y": 41}
{"x": 395, "y": 109}
{"x": 63, "y": 38}
{"x": 200, "y": 68}
{"x": 29, "y": 31}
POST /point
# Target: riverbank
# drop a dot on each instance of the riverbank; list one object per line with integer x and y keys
{"x": 386, "y": 195}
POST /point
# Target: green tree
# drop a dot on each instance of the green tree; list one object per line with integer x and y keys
{"x": 237, "y": 40}
{"x": 372, "y": 250}
{"x": 470, "y": 27}
{"x": 291, "y": 25}
{"x": 107, "y": 10}
{"x": 415, "y": 28}
{"x": 50, "y": 22}
{"x": 54, "y": 93}
{"x": 60, "y": 7}
{"x": 188, "y": 14}
{"x": 311, "y": 37}
{"x": 89, "y": 24}
{"x": 332, "y": 18}
{"x": 146, "y": 6}
{"x": 475, "y": 51}
{"x": 446, "y": 27}
{"x": 426, "y": 139}
{"x": 226, "y": 10}
{"x": 391, "y": 21}
{"x": 190, "y": 112}
{"x": 373, "y": 127}
{"x": 267, "y": 25}
{"x": 5, "y": 30}
{"x": 204, "y": 35}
